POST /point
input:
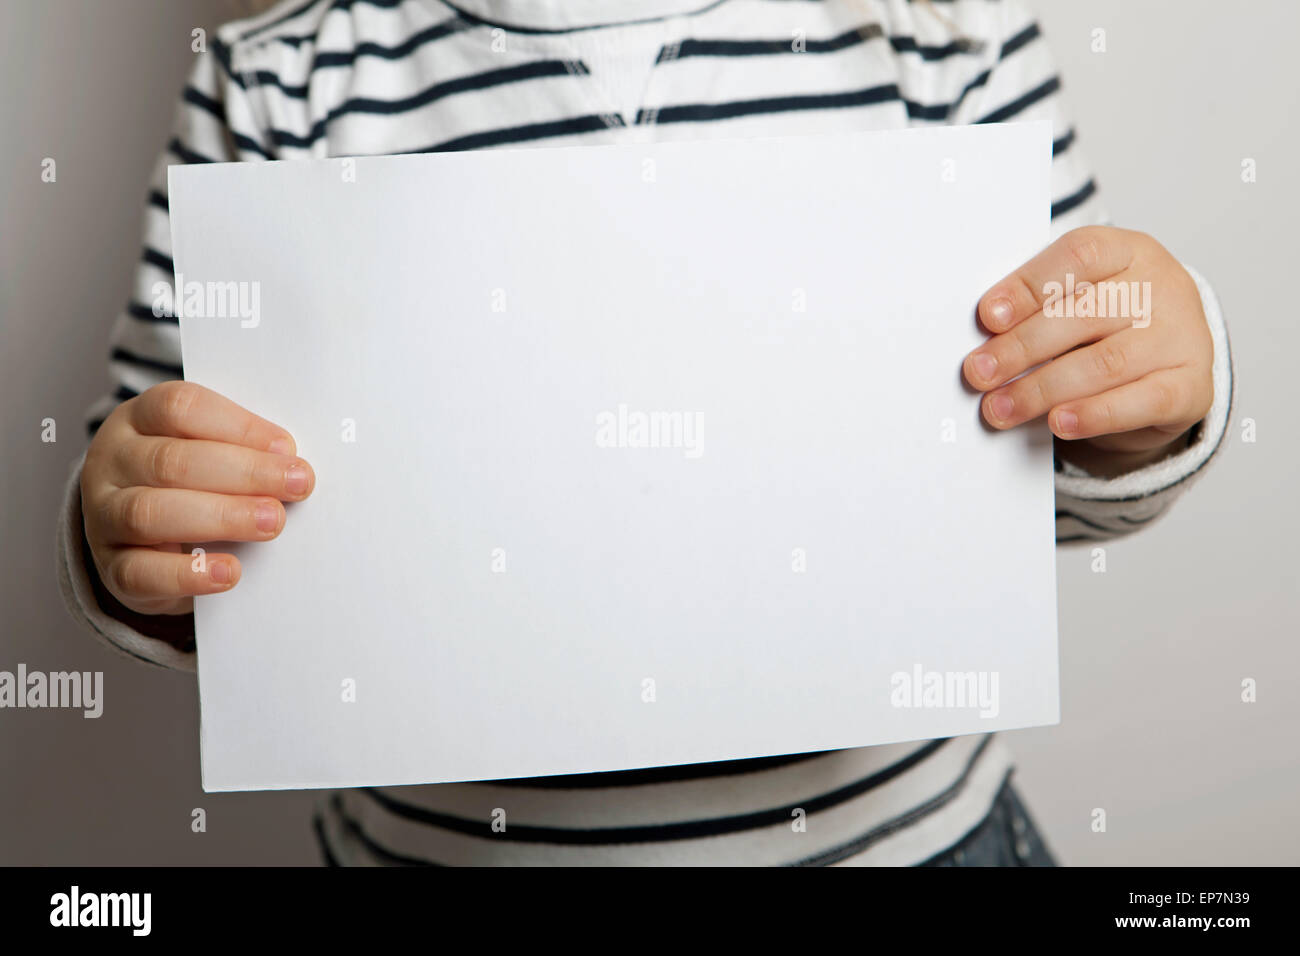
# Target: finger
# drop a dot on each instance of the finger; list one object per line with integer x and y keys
{"x": 145, "y": 516}
{"x": 1114, "y": 361}
{"x": 143, "y": 574}
{"x": 1037, "y": 339}
{"x": 214, "y": 466}
{"x": 187, "y": 410}
{"x": 1163, "y": 400}
{"x": 1089, "y": 254}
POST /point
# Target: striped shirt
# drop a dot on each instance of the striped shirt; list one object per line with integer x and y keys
{"x": 323, "y": 78}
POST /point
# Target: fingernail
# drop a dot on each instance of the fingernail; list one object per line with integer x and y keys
{"x": 221, "y": 572}
{"x": 1067, "y": 422}
{"x": 986, "y": 366}
{"x": 295, "y": 480}
{"x": 266, "y": 516}
{"x": 1000, "y": 311}
{"x": 1001, "y": 406}
{"x": 281, "y": 446}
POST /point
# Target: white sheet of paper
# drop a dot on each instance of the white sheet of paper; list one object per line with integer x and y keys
{"x": 511, "y": 585}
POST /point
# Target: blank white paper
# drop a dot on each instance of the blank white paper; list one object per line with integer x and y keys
{"x": 626, "y": 456}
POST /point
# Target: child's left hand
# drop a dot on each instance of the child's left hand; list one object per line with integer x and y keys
{"x": 1121, "y": 391}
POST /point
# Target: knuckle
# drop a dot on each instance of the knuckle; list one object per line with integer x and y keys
{"x": 253, "y": 472}
{"x": 169, "y": 463}
{"x": 1040, "y": 393}
{"x": 1085, "y": 248}
{"x": 1036, "y": 296}
{"x": 175, "y": 401}
{"x": 1165, "y": 399}
{"x": 136, "y": 512}
{"x": 1015, "y": 352}
{"x": 1103, "y": 416}
{"x": 127, "y": 575}
{"x": 185, "y": 578}
{"x": 1111, "y": 361}
{"x": 233, "y": 517}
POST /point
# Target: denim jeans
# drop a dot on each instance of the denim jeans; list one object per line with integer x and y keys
{"x": 1006, "y": 837}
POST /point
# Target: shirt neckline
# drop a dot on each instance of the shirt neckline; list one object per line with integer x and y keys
{"x": 564, "y": 16}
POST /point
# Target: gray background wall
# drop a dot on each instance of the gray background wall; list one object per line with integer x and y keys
{"x": 1153, "y": 651}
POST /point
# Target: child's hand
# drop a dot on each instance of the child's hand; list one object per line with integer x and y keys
{"x": 1122, "y": 390}
{"x": 178, "y": 465}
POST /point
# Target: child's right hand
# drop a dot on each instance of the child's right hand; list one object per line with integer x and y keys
{"x": 176, "y": 466}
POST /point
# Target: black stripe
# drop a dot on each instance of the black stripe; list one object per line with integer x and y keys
{"x": 521, "y": 134}
{"x": 204, "y": 102}
{"x": 267, "y": 78}
{"x": 146, "y": 314}
{"x": 124, "y": 393}
{"x": 185, "y": 154}
{"x": 868, "y": 31}
{"x": 318, "y": 827}
{"x": 695, "y": 47}
{"x": 160, "y": 200}
{"x": 652, "y": 833}
{"x": 156, "y": 258}
{"x": 951, "y": 108}
{"x": 904, "y": 44}
{"x": 122, "y": 355}
{"x": 901, "y": 822}
{"x": 248, "y": 144}
{"x": 222, "y": 53}
{"x": 391, "y": 857}
{"x": 638, "y": 778}
{"x": 1074, "y": 200}
{"x": 1084, "y": 521}
{"x": 477, "y": 81}
{"x": 704, "y": 112}
{"x": 1140, "y": 521}
{"x": 1065, "y": 142}
{"x": 217, "y": 109}
{"x": 707, "y": 112}
{"x": 1022, "y": 103}
{"x": 331, "y": 58}
{"x": 1019, "y": 41}
{"x": 1136, "y": 522}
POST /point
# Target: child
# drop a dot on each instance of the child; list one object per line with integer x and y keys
{"x": 1138, "y": 407}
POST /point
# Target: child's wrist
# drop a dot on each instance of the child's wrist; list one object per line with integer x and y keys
{"x": 1109, "y": 463}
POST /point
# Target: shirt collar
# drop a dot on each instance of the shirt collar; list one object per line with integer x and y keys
{"x": 558, "y": 16}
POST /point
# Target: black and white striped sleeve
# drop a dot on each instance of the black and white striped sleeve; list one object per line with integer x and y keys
{"x": 214, "y": 122}
{"x": 1019, "y": 83}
